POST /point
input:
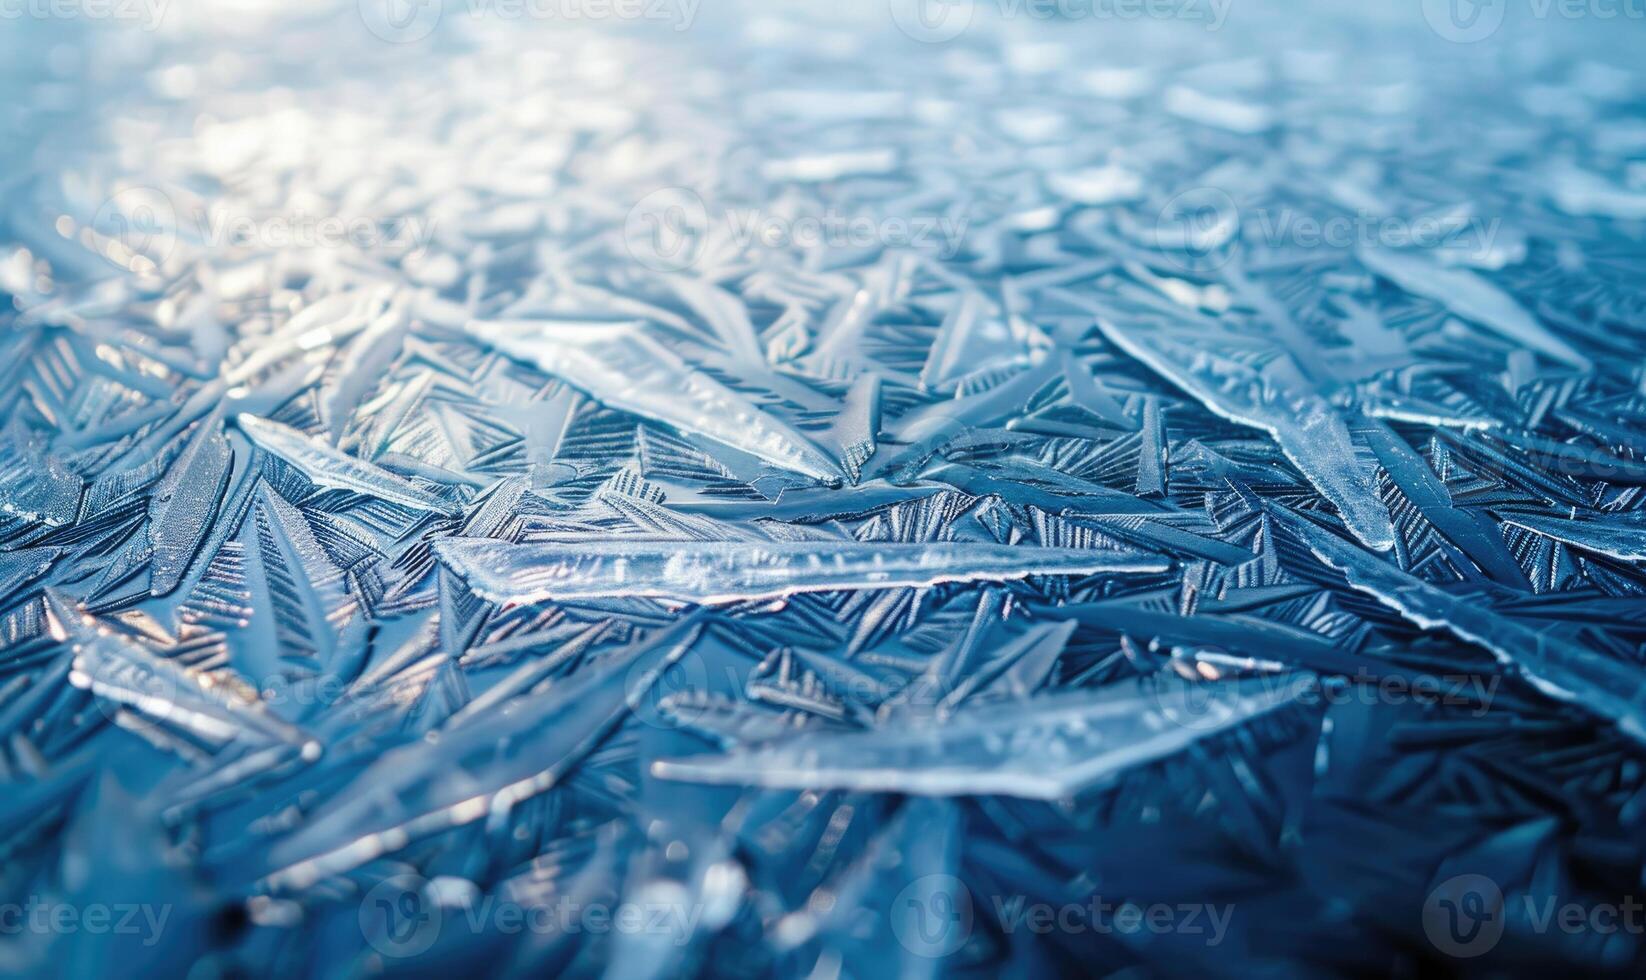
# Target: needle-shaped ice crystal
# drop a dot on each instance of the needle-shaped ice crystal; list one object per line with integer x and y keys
{"x": 1044, "y": 748}
{"x": 621, "y": 366}
{"x": 332, "y": 469}
{"x": 712, "y": 572}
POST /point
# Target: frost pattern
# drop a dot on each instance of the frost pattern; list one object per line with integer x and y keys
{"x": 824, "y": 477}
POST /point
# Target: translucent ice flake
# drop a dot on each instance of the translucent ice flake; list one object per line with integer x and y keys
{"x": 1046, "y": 748}
{"x": 1472, "y": 532}
{"x": 367, "y": 357}
{"x": 621, "y": 366}
{"x": 496, "y": 761}
{"x": 714, "y": 572}
{"x": 1471, "y": 297}
{"x": 1098, "y": 185}
{"x": 123, "y": 672}
{"x": 184, "y": 503}
{"x": 1307, "y": 428}
{"x": 831, "y": 166}
{"x": 303, "y": 620}
{"x": 1557, "y": 666}
{"x": 1579, "y": 192}
{"x": 855, "y": 432}
{"x": 34, "y": 485}
{"x": 18, "y": 568}
{"x": 1602, "y": 534}
{"x": 1224, "y": 113}
{"x": 327, "y": 467}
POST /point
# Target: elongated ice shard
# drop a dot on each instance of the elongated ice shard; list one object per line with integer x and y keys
{"x": 1626, "y": 541}
{"x": 184, "y": 502}
{"x": 1471, "y": 532}
{"x": 854, "y": 432}
{"x": 1224, "y": 113}
{"x": 713, "y": 572}
{"x": 329, "y": 468}
{"x": 971, "y": 339}
{"x": 620, "y": 366}
{"x": 1471, "y": 297}
{"x": 362, "y": 367}
{"x": 35, "y": 486}
{"x": 158, "y": 689}
{"x": 1047, "y": 748}
{"x": 498, "y": 760}
{"x": 1308, "y": 429}
{"x": 1561, "y": 669}
{"x": 1579, "y": 192}
{"x": 18, "y": 568}
{"x": 303, "y": 621}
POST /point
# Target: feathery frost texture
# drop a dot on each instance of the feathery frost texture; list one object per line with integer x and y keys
{"x": 750, "y": 490}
